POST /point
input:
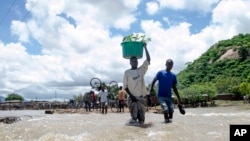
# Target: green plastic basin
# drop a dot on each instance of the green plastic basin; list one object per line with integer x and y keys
{"x": 132, "y": 49}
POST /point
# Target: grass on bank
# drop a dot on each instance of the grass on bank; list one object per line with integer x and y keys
{"x": 230, "y": 103}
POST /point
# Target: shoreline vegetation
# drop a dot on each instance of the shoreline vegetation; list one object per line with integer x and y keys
{"x": 219, "y": 103}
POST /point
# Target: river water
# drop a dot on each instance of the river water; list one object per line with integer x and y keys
{"x": 199, "y": 124}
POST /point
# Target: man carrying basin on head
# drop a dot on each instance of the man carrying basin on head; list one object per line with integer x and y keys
{"x": 134, "y": 85}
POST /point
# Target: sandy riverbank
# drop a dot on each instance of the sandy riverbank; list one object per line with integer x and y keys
{"x": 157, "y": 109}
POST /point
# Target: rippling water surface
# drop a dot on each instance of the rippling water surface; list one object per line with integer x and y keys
{"x": 199, "y": 124}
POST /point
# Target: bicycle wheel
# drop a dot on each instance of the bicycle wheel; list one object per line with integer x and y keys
{"x": 95, "y": 83}
{"x": 113, "y": 85}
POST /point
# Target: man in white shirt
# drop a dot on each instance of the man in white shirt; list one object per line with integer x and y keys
{"x": 104, "y": 100}
{"x": 134, "y": 85}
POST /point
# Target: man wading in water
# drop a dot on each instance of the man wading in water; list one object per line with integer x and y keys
{"x": 134, "y": 85}
{"x": 167, "y": 82}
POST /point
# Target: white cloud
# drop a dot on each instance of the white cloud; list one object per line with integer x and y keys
{"x": 124, "y": 22}
{"x": 72, "y": 55}
{"x": 192, "y": 5}
{"x": 232, "y": 15}
{"x": 152, "y": 8}
{"x": 21, "y": 30}
{"x": 173, "y": 4}
{"x": 176, "y": 43}
{"x": 166, "y": 19}
{"x": 229, "y": 18}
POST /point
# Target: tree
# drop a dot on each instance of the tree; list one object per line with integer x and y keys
{"x": 112, "y": 91}
{"x": 196, "y": 92}
{"x": 244, "y": 87}
{"x": 226, "y": 85}
{"x": 14, "y": 96}
{"x": 78, "y": 98}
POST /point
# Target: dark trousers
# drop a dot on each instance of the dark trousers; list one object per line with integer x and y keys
{"x": 104, "y": 107}
{"x": 87, "y": 105}
{"x": 121, "y": 106}
{"x": 94, "y": 104}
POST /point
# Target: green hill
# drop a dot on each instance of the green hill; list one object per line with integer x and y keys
{"x": 222, "y": 69}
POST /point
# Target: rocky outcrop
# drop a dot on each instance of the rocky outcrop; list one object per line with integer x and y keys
{"x": 9, "y": 120}
{"x": 49, "y": 112}
{"x": 229, "y": 54}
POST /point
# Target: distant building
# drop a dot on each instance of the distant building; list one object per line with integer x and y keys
{"x": 224, "y": 96}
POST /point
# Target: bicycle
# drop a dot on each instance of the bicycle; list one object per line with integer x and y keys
{"x": 112, "y": 89}
{"x": 96, "y": 83}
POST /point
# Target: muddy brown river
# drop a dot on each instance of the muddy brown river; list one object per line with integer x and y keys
{"x": 199, "y": 124}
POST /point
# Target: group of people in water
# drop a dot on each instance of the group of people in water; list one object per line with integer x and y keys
{"x": 134, "y": 86}
{"x": 101, "y": 103}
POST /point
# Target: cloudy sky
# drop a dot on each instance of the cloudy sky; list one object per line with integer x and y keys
{"x": 52, "y": 48}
